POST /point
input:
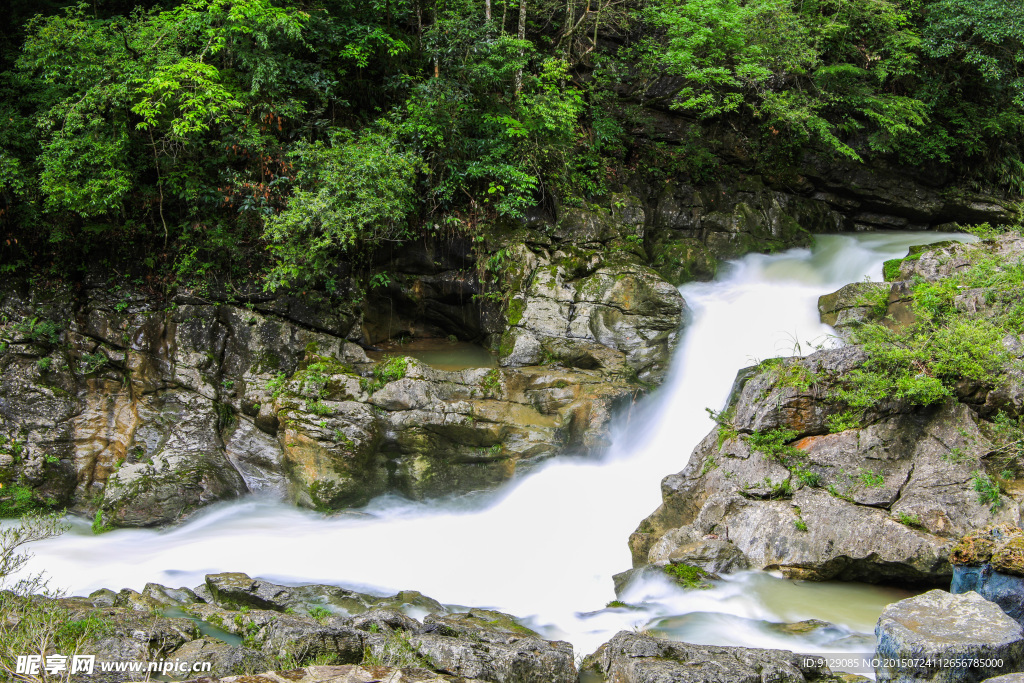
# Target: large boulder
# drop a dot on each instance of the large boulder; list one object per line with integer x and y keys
{"x": 884, "y": 501}
{"x": 636, "y": 658}
{"x": 492, "y": 646}
{"x": 941, "y": 637}
{"x": 579, "y": 311}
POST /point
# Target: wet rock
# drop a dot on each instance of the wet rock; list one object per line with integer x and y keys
{"x": 163, "y": 595}
{"x": 990, "y": 562}
{"x": 224, "y": 659}
{"x": 635, "y": 658}
{"x": 479, "y": 644}
{"x": 382, "y": 619}
{"x": 136, "y": 601}
{"x": 492, "y": 646}
{"x": 853, "y": 304}
{"x": 234, "y": 590}
{"x": 938, "y": 625}
{"x": 567, "y": 313}
{"x": 303, "y": 639}
{"x": 157, "y": 410}
{"x": 843, "y": 519}
{"x": 791, "y": 470}
{"x": 133, "y": 636}
{"x": 104, "y": 597}
{"x": 713, "y": 555}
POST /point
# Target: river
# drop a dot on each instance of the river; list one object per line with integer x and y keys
{"x": 545, "y": 546}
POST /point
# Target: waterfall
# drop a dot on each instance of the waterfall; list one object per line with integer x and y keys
{"x": 546, "y": 545}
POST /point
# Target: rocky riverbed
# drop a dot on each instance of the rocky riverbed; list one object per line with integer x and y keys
{"x": 236, "y": 629}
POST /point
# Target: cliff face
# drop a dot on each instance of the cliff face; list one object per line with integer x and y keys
{"x": 147, "y": 410}
{"x": 145, "y": 406}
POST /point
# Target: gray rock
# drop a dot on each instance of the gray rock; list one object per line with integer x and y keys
{"x": 304, "y": 639}
{"x": 938, "y": 625}
{"x": 882, "y": 500}
{"x": 635, "y": 658}
{"x": 383, "y": 619}
{"x": 1006, "y": 678}
{"x": 566, "y": 312}
{"x": 235, "y": 590}
{"x": 479, "y": 644}
{"x": 851, "y": 305}
{"x": 224, "y": 659}
{"x": 713, "y": 555}
{"x": 132, "y": 636}
{"x": 169, "y": 596}
{"x": 1005, "y": 590}
{"x": 160, "y": 411}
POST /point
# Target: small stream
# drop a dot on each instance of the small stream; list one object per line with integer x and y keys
{"x": 546, "y": 545}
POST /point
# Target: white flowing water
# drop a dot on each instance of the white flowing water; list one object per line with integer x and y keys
{"x": 546, "y": 545}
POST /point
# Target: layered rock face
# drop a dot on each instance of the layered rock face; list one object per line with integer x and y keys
{"x": 795, "y": 486}
{"x": 146, "y": 410}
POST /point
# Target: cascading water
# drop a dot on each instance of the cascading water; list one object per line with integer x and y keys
{"x": 547, "y": 544}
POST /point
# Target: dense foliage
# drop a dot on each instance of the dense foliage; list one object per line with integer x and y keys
{"x": 277, "y": 137}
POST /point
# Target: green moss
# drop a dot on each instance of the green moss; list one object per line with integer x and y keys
{"x": 1009, "y": 557}
{"x": 923, "y": 362}
{"x": 266, "y": 361}
{"x": 687, "y": 575}
{"x": 388, "y": 370}
{"x": 491, "y": 383}
{"x": 891, "y": 269}
{"x": 514, "y": 312}
{"x": 226, "y": 418}
{"x": 908, "y": 519}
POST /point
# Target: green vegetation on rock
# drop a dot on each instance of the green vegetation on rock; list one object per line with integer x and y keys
{"x": 687, "y": 575}
{"x": 921, "y": 362}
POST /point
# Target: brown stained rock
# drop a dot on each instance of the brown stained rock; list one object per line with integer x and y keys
{"x": 1008, "y": 558}
{"x": 980, "y": 547}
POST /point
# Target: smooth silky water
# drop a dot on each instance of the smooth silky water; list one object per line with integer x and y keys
{"x": 546, "y": 545}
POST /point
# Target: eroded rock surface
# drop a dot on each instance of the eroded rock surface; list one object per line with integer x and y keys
{"x": 144, "y": 410}
{"x": 937, "y": 626}
{"x": 636, "y": 658}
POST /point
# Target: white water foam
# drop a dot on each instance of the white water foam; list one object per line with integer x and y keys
{"x": 546, "y": 545}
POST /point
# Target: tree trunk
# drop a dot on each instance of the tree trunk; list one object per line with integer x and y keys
{"x": 521, "y": 34}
